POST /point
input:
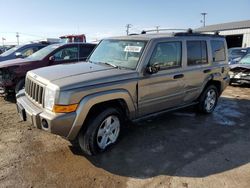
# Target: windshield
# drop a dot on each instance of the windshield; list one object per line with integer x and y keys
{"x": 118, "y": 53}
{"x": 245, "y": 59}
{"x": 41, "y": 54}
{"x": 10, "y": 51}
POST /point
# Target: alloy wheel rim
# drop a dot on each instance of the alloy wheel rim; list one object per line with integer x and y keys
{"x": 210, "y": 100}
{"x": 108, "y": 132}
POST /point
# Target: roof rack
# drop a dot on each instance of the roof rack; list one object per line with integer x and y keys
{"x": 188, "y": 32}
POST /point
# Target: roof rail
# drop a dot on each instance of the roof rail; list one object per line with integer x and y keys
{"x": 158, "y": 30}
{"x": 186, "y": 32}
{"x": 197, "y": 34}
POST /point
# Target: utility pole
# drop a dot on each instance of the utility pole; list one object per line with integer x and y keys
{"x": 17, "y": 37}
{"x": 157, "y": 28}
{"x": 3, "y": 39}
{"x": 204, "y": 18}
{"x": 128, "y": 26}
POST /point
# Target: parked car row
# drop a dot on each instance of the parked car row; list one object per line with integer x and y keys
{"x": 125, "y": 78}
{"x": 13, "y": 72}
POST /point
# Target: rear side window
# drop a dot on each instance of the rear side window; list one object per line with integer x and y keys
{"x": 196, "y": 53}
{"x": 218, "y": 50}
{"x": 167, "y": 55}
{"x": 85, "y": 51}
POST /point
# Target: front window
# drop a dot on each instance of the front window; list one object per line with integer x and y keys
{"x": 119, "y": 53}
{"x": 10, "y": 51}
{"x": 167, "y": 55}
{"x": 69, "y": 53}
{"x": 41, "y": 54}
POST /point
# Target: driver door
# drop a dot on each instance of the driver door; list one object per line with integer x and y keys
{"x": 164, "y": 89}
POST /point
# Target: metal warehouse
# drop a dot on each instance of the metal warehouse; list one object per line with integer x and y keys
{"x": 237, "y": 33}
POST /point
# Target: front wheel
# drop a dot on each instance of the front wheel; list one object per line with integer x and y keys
{"x": 20, "y": 85}
{"x": 208, "y": 100}
{"x": 102, "y": 131}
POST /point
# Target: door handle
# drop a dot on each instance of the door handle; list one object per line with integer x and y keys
{"x": 178, "y": 76}
{"x": 207, "y": 71}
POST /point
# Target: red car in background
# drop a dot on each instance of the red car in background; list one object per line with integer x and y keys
{"x": 73, "y": 38}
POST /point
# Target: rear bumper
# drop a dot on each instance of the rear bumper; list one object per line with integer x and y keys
{"x": 59, "y": 124}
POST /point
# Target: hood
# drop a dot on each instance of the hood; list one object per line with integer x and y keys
{"x": 245, "y": 66}
{"x": 13, "y": 62}
{"x": 4, "y": 58}
{"x": 69, "y": 76}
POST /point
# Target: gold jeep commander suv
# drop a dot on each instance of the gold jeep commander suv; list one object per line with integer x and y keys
{"x": 125, "y": 78}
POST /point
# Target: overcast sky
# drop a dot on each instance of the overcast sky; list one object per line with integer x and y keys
{"x": 36, "y": 19}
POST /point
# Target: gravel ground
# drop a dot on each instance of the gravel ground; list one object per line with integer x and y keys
{"x": 178, "y": 149}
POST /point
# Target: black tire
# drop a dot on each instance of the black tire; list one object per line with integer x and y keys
{"x": 20, "y": 85}
{"x": 88, "y": 139}
{"x": 202, "y": 107}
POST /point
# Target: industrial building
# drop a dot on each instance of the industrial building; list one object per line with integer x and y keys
{"x": 237, "y": 33}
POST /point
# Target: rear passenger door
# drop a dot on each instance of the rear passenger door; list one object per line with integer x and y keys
{"x": 163, "y": 89}
{"x": 196, "y": 68}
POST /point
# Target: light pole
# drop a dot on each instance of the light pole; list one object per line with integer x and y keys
{"x": 204, "y": 18}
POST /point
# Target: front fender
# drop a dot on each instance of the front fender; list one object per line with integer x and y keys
{"x": 90, "y": 100}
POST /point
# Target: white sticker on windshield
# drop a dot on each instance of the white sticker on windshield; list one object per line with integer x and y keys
{"x": 136, "y": 49}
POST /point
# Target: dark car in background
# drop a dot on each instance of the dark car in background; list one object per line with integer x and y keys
{"x": 240, "y": 73}
{"x": 22, "y": 51}
{"x": 13, "y": 72}
{"x": 235, "y": 54}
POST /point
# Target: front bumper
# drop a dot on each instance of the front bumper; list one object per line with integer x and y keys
{"x": 240, "y": 79}
{"x": 59, "y": 124}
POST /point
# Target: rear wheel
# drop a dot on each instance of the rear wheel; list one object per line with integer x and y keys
{"x": 103, "y": 130}
{"x": 208, "y": 99}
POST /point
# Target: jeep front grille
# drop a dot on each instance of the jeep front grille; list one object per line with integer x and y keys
{"x": 34, "y": 91}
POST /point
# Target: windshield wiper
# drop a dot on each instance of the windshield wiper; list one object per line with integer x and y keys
{"x": 110, "y": 64}
{"x": 105, "y": 63}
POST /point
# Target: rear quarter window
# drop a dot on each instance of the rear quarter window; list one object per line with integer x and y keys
{"x": 218, "y": 50}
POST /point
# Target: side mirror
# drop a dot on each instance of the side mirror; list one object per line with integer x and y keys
{"x": 18, "y": 54}
{"x": 152, "y": 69}
{"x": 51, "y": 58}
